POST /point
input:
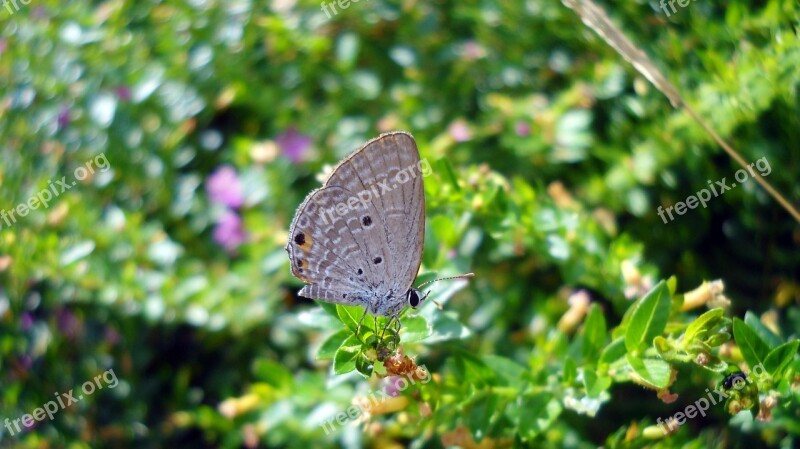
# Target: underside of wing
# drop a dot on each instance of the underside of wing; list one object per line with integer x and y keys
{"x": 388, "y": 171}
{"x": 315, "y": 291}
{"x": 336, "y": 245}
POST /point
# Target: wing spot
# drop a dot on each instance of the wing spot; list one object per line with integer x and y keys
{"x": 367, "y": 221}
{"x": 377, "y": 260}
{"x": 360, "y": 271}
{"x": 302, "y": 240}
{"x": 344, "y": 295}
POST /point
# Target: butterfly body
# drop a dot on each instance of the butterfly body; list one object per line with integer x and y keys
{"x": 358, "y": 239}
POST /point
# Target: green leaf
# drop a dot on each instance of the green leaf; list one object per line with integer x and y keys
{"x": 344, "y": 360}
{"x": 535, "y": 414}
{"x": 654, "y": 372}
{"x": 415, "y": 328}
{"x": 570, "y": 370}
{"x": 672, "y": 284}
{"x": 703, "y": 323}
{"x": 351, "y": 316}
{"x": 450, "y": 175}
{"x": 769, "y": 337}
{"x": 779, "y": 358}
{"x": 471, "y": 370}
{"x": 649, "y": 318}
{"x": 715, "y": 364}
{"x": 753, "y": 348}
{"x": 332, "y": 344}
{"x": 364, "y": 366}
{"x": 273, "y": 373}
{"x": 507, "y": 370}
{"x": 594, "y": 332}
{"x": 595, "y": 384}
{"x": 663, "y": 346}
{"x": 480, "y": 412}
{"x": 614, "y": 351}
{"x": 445, "y": 327}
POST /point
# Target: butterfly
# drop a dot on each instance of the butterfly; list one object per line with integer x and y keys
{"x": 358, "y": 239}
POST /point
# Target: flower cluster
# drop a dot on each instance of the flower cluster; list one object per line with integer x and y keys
{"x": 225, "y": 188}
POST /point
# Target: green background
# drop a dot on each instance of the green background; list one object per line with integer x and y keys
{"x": 550, "y": 157}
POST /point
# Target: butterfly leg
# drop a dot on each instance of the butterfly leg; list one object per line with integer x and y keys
{"x": 396, "y": 330}
{"x": 392, "y": 320}
{"x": 358, "y": 327}
{"x": 383, "y": 331}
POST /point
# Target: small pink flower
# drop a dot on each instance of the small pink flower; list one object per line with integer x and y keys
{"x": 63, "y": 117}
{"x": 223, "y": 187}
{"x": 229, "y": 231}
{"x": 459, "y": 131}
{"x": 522, "y": 128}
{"x": 294, "y": 145}
{"x": 26, "y": 321}
{"x": 26, "y": 362}
{"x": 68, "y": 323}
{"x": 395, "y": 385}
{"x": 472, "y": 51}
{"x": 111, "y": 335}
{"x": 123, "y": 93}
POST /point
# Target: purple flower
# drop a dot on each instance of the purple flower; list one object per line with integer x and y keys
{"x": 224, "y": 187}
{"x": 294, "y": 145}
{"x": 112, "y": 337}
{"x": 68, "y": 323}
{"x": 522, "y": 128}
{"x": 26, "y": 321}
{"x": 472, "y": 50}
{"x": 395, "y": 385}
{"x": 459, "y": 131}
{"x": 27, "y": 428}
{"x": 123, "y": 93}
{"x": 63, "y": 117}
{"x": 229, "y": 232}
{"x": 26, "y": 362}
{"x": 40, "y": 13}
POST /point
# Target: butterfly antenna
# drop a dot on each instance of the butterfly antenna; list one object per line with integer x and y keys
{"x": 460, "y": 276}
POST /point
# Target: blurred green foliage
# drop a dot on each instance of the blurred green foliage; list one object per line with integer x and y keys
{"x": 550, "y": 157}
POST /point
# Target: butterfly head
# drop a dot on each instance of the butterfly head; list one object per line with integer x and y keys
{"x": 414, "y": 297}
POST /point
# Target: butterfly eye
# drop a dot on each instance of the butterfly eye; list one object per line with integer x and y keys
{"x": 413, "y": 298}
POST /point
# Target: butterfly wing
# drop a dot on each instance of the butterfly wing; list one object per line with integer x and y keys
{"x": 359, "y": 238}
{"x": 389, "y": 169}
{"x": 331, "y": 248}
